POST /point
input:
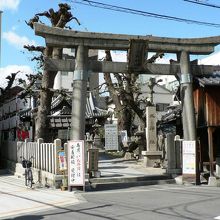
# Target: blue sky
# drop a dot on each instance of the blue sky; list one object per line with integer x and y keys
{"x": 15, "y": 33}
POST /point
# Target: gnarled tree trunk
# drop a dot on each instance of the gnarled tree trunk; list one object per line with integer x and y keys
{"x": 58, "y": 19}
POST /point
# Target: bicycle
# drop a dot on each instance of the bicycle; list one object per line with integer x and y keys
{"x": 27, "y": 164}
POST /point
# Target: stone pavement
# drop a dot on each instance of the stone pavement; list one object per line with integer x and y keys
{"x": 16, "y": 199}
{"x": 121, "y": 173}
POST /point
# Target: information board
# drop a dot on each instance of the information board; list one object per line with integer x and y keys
{"x": 76, "y": 163}
{"x": 189, "y": 157}
{"x": 62, "y": 160}
{"x": 111, "y": 137}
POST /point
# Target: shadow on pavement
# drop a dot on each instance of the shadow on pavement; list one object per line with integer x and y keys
{"x": 65, "y": 211}
{"x": 27, "y": 217}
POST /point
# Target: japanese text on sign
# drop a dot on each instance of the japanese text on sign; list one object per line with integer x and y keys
{"x": 189, "y": 157}
{"x": 76, "y": 168}
{"x": 111, "y": 137}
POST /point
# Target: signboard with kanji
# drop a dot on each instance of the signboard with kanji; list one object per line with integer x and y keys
{"x": 76, "y": 163}
{"x": 111, "y": 137}
{"x": 189, "y": 157}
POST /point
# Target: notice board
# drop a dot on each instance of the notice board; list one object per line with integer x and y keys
{"x": 111, "y": 137}
{"x": 189, "y": 157}
{"x": 76, "y": 163}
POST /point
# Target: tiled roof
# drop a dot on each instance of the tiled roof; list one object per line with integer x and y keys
{"x": 172, "y": 114}
{"x": 208, "y": 80}
{"x": 59, "y": 107}
{"x": 91, "y": 110}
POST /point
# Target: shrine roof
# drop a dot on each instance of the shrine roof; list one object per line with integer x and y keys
{"x": 208, "y": 80}
{"x": 62, "y": 106}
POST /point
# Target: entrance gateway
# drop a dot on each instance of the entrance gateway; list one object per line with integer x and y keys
{"x": 137, "y": 46}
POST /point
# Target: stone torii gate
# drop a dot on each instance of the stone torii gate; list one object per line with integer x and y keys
{"x": 83, "y": 41}
{"x": 137, "y": 47}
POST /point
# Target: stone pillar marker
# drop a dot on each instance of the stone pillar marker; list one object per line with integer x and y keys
{"x": 57, "y": 147}
{"x": 171, "y": 157}
{"x": 173, "y": 154}
{"x": 151, "y": 155}
{"x": 151, "y": 128}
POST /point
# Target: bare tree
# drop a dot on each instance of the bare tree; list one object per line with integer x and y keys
{"x": 59, "y": 19}
{"x": 11, "y": 79}
{"x": 124, "y": 94}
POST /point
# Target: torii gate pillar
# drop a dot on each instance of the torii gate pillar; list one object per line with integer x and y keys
{"x": 188, "y": 118}
{"x": 79, "y": 95}
{"x": 188, "y": 112}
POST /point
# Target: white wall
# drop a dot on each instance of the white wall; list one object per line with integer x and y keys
{"x": 63, "y": 80}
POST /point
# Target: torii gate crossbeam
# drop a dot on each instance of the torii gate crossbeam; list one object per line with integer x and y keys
{"x": 122, "y": 67}
{"x": 55, "y": 37}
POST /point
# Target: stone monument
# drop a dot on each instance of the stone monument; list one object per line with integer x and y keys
{"x": 152, "y": 155}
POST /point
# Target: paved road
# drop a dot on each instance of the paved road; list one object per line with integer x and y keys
{"x": 150, "y": 202}
{"x": 16, "y": 199}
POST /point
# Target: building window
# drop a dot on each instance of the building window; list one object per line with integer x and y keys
{"x": 160, "y": 107}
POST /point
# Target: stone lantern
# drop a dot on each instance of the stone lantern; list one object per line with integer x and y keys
{"x": 97, "y": 139}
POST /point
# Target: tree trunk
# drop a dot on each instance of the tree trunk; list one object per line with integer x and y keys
{"x": 123, "y": 112}
{"x": 42, "y": 126}
{"x": 125, "y": 117}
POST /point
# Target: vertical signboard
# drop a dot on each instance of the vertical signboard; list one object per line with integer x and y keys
{"x": 76, "y": 163}
{"x": 111, "y": 137}
{"x": 62, "y": 160}
{"x": 189, "y": 161}
{"x": 189, "y": 157}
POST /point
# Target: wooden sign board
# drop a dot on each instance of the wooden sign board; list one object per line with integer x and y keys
{"x": 137, "y": 55}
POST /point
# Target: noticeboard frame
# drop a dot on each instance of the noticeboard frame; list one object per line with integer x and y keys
{"x": 73, "y": 155}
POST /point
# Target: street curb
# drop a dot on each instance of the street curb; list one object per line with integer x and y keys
{"x": 120, "y": 183}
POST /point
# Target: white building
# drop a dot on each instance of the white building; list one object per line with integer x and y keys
{"x": 64, "y": 79}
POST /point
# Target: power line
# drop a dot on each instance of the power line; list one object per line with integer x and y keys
{"x": 139, "y": 12}
{"x": 202, "y": 3}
